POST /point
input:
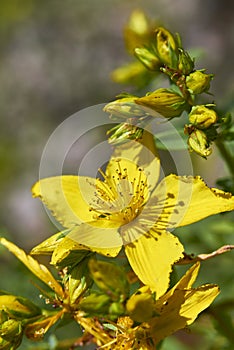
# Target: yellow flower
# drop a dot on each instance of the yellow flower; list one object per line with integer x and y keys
{"x": 175, "y": 310}
{"x": 128, "y": 208}
{"x": 180, "y": 306}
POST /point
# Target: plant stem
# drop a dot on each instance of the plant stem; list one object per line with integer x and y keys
{"x": 226, "y": 155}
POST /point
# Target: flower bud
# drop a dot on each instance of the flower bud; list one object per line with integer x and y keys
{"x": 164, "y": 101}
{"x": 124, "y": 108}
{"x": 166, "y": 47}
{"x": 198, "y": 142}
{"x": 102, "y": 272}
{"x": 79, "y": 281}
{"x": 148, "y": 58}
{"x": 198, "y": 82}
{"x": 10, "y": 329}
{"x": 137, "y": 31}
{"x": 124, "y": 132}
{"x": 133, "y": 73}
{"x": 202, "y": 117}
{"x": 95, "y": 304}
{"x": 186, "y": 63}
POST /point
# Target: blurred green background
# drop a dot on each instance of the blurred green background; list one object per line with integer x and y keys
{"x": 55, "y": 59}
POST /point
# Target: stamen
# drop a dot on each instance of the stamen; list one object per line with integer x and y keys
{"x": 119, "y": 195}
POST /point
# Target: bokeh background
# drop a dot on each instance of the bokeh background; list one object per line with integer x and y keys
{"x": 56, "y": 58}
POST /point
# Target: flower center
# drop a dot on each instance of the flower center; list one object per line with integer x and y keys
{"x": 121, "y": 196}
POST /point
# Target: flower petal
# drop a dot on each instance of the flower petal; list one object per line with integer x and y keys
{"x": 181, "y": 309}
{"x": 104, "y": 239}
{"x": 185, "y": 283}
{"x": 142, "y": 154}
{"x": 151, "y": 256}
{"x": 68, "y": 197}
{"x": 35, "y": 267}
{"x": 48, "y": 245}
{"x": 187, "y": 199}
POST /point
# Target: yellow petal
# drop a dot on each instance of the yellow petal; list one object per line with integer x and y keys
{"x": 18, "y": 306}
{"x": 67, "y": 197}
{"x": 151, "y": 256}
{"x": 140, "y": 154}
{"x": 190, "y": 199}
{"x": 68, "y": 252}
{"x": 37, "y": 269}
{"x": 104, "y": 239}
{"x": 184, "y": 283}
{"x": 48, "y": 246}
{"x": 182, "y": 309}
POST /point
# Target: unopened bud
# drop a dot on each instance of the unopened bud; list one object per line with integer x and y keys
{"x": 124, "y": 132}
{"x": 198, "y": 82}
{"x": 79, "y": 281}
{"x": 148, "y": 58}
{"x": 166, "y": 47}
{"x": 124, "y": 108}
{"x": 95, "y": 304}
{"x": 102, "y": 272}
{"x": 164, "y": 101}
{"x": 11, "y": 328}
{"x": 202, "y": 117}
{"x": 198, "y": 142}
{"x": 186, "y": 63}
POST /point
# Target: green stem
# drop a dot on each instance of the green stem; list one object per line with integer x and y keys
{"x": 226, "y": 155}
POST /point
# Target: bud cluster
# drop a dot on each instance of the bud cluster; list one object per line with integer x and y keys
{"x": 202, "y": 120}
{"x": 160, "y": 51}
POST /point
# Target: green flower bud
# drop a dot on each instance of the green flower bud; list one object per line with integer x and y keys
{"x": 164, "y": 101}
{"x": 11, "y": 334}
{"x": 202, "y": 117}
{"x": 198, "y": 82}
{"x": 116, "y": 309}
{"x": 102, "y": 272}
{"x": 79, "y": 281}
{"x": 166, "y": 47}
{"x": 186, "y": 63}
{"x": 198, "y": 142}
{"x": 148, "y": 58}
{"x": 9, "y": 329}
{"x": 124, "y": 108}
{"x": 95, "y": 304}
{"x": 124, "y": 132}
